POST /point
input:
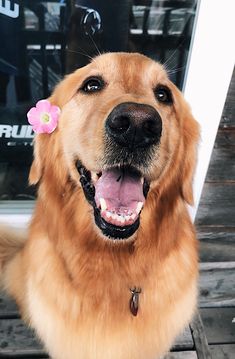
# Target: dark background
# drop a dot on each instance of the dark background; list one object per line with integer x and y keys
{"x": 51, "y": 38}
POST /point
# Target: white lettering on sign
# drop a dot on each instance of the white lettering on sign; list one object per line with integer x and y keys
{"x": 5, "y": 9}
{"x": 29, "y": 132}
{"x": 16, "y": 131}
{"x": 5, "y": 131}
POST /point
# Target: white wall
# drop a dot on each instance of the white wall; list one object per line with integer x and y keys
{"x": 209, "y": 72}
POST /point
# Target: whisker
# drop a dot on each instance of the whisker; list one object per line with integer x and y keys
{"x": 173, "y": 71}
{"x": 167, "y": 62}
{"x": 80, "y": 53}
{"x": 93, "y": 41}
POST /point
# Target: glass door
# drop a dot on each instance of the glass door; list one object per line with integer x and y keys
{"x": 44, "y": 40}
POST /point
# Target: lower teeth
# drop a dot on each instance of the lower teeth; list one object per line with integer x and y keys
{"x": 117, "y": 217}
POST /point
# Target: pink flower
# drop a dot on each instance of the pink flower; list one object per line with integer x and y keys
{"x": 44, "y": 117}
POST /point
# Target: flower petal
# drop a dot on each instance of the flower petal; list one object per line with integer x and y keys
{"x": 33, "y": 115}
{"x": 55, "y": 110}
{"x": 48, "y": 128}
{"x": 43, "y": 106}
{"x": 37, "y": 128}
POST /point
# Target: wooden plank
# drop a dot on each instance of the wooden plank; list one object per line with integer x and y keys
{"x": 22, "y": 355}
{"x": 222, "y": 165}
{"x": 228, "y": 118}
{"x": 217, "y": 284}
{"x": 184, "y": 340}
{"x": 199, "y": 337}
{"x": 16, "y": 338}
{"x": 216, "y": 244}
{"x": 8, "y": 308}
{"x": 226, "y": 351}
{"x": 182, "y": 355}
{"x": 217, "y": 205}
{"x": 226, "y": 138}
{"x": 219, "y": 325}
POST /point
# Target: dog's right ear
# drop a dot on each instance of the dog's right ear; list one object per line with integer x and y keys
{"x": 62, "y": 94}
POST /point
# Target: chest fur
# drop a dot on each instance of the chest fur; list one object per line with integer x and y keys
{"x": 92, "y": 318}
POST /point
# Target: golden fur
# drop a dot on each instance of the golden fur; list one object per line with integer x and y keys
{"x": 72, "y": 284}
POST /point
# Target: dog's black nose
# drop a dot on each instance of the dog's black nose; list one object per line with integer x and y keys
{"x": 134, "y": 125}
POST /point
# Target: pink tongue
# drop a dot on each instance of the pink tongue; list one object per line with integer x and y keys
{"x": 121, "y": 190}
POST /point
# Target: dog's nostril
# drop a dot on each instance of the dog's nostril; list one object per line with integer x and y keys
{"x": 151, "y": 128}
{"x": 119, "y": 124}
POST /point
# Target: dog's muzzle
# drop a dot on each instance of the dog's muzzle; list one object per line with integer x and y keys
{"x": 132, "y": 133}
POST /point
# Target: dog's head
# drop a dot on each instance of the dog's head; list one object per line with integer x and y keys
{"x": 125, "y": 133}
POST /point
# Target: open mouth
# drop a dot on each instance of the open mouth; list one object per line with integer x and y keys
{"x": 117, "y": 196}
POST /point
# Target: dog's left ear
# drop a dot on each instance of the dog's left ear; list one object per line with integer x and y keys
{"x": 190, "y": 134}
{"x": 190, "y": 140}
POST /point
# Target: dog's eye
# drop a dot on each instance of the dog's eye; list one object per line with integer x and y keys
{"x": 92, "y": 85}
{"x": 163, "y": 94}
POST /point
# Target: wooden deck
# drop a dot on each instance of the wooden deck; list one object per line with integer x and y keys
{"x": 217, "y": 309}
{"x": 18, "y": 341}
{"x": 216, "y": 231}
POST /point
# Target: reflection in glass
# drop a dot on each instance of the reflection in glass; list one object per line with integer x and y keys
{"x": 43, "y": 40}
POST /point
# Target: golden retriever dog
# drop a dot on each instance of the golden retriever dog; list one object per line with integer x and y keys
{"x": 109, "y": 269}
